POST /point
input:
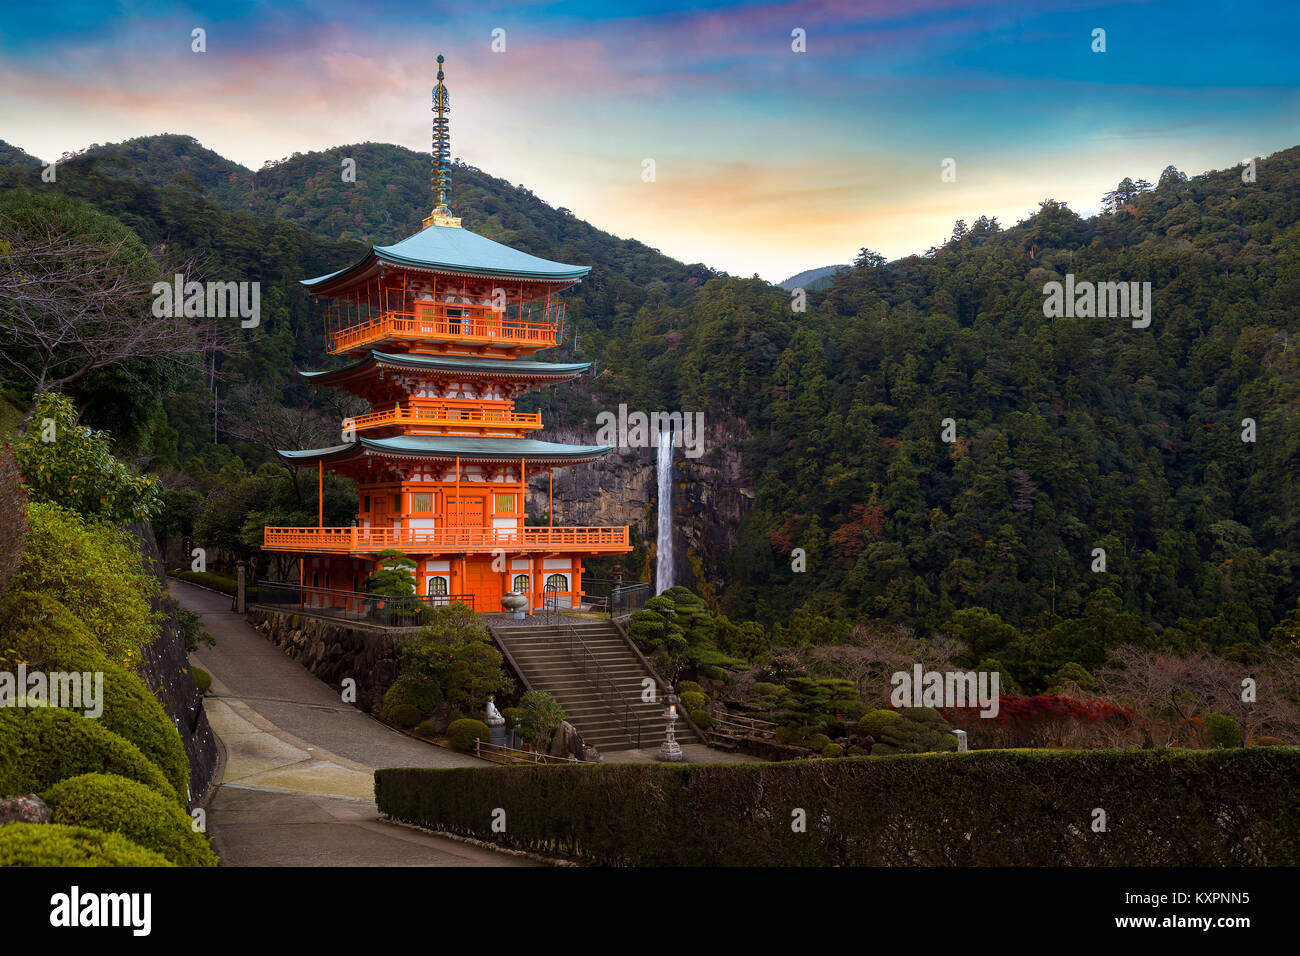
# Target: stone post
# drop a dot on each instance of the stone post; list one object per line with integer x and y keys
{"x": 241, "y": 590}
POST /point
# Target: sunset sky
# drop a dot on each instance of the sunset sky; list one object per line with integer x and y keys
{"x": 767, "y": 160}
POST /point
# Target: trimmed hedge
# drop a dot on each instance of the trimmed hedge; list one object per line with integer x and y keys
{"x": 117, "y": 805}
{"x": 985, "y": 808}
{"x": 218, "y": 582}
{"x": 39, "y": 746}
{"x": 52, "y": 844}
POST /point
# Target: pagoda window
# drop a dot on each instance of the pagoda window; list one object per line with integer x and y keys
{"x": 422, "y": 502}
{"x": 397, "y": 504}
{"x": 366, "y": 504}
{"x": 437, "y": 587}
{"x": 557, "y": 582}
{"x": 521, "y": 583}
{"x": 505, "y": 504}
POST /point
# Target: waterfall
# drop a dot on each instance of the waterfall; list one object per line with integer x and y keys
{"x": 664, "y": 540}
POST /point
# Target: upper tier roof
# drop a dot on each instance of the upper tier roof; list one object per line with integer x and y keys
{"x": 457, "y": 250}
{"x": 454, "y": 365}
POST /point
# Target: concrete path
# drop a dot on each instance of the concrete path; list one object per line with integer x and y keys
{"x": 297, "y": 788}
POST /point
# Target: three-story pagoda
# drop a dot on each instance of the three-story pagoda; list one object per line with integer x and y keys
{"x": 440, "y": 329}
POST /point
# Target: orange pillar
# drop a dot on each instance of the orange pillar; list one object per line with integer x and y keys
{"x": 550, "y": 506}
{"x": 459, "y": 505}
{"x": 320, "y": 494}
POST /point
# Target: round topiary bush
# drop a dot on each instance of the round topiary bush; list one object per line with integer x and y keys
{"x": 117, "y": 805}
{"x": 694, "y": 700}
{"x": 426, "y": 730}
{"x": 1222, "y": 730}
{"x": 702, "y": 719}
{"x": 688, "y": 687}
{"x": 39, "y": 746}
{"x": 767, "y": 689}
{"x": 511, "y": 714}
{"x": 423, "y": 695}
{"x": 817, "y": 742}
{"x": 405, "y": 716}
{"x": 463, "y": 732}
{"x": 786, "y": 735}
{"x": 832, "y": 750}
{"x": 53, "y": 844}
{"x": 873, "y": 722}
{"x": 714, "y": 672}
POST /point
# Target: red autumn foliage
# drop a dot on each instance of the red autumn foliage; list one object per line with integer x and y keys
{"x": 1047, "y": 720}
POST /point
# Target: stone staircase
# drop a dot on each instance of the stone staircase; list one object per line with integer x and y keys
{"x": 541, "y": 654}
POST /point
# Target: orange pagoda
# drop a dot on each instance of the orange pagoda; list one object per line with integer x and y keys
{"x": 438, "y": 330}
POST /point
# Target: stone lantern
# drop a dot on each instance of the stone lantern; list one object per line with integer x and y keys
{"x": 670, "y": 749}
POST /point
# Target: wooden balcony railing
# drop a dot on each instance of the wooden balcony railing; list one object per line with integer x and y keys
{"x": 440, "y": 417}
{"x": 533, "y": 326}
{"x": 428, "y": 541}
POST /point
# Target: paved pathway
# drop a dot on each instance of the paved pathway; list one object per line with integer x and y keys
{"x": 298, "y": 787}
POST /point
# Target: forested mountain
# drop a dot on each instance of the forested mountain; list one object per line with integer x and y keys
{"x": 1070, "y": 434}
{"x": 812, "y": 278}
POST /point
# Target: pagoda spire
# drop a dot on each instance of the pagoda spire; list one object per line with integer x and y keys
{"x": 441, "y": 179}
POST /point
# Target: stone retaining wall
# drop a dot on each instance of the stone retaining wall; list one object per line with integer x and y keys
{"x": 334, "y": 650}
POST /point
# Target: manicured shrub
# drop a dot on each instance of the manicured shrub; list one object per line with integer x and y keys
{"x": 856, "y": 751}
{"x": 426, "y": 729}
{"x": 873, "y": 722}
{"x": 421, "y": 693}
{"x": 52, "y": 844}
{"x": 817, "y": 742}
{"x": 1204, "y": 807}
{"x": 1222, "y": 730}
{"x": 117, "y": 805}
{"x": 713, "y": 672}
{"x": 39, "y": 746}
{"x": 688, "y": 687}
{"x": 918, "y": 730}
{"x": 702, "y": 719}
{"x": 694, "y": 700}
{"x": 511, "y": 714}
{"x": 465, "y": 731}
{"x": 853, "y": 710}
{"x": 202, "y": 679}
{"x": 768, "y": 689}
{"x": 43, "y": 632}
{"x": 832, "y": 750}
{"x": 404, "y": 715}
{"x": 786, "y": 735}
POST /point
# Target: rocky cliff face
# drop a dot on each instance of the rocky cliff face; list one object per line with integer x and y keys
{"x": 710, "y": 500}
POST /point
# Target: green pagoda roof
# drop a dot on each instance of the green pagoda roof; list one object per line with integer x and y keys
{"x": 455, "y": 364}
{"x": 467, "y": 449}
{"x": 454, "y": 249}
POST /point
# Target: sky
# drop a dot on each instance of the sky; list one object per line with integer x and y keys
{"x": 767, "y": 159}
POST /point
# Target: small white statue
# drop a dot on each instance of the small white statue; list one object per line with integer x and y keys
{"x": 494, "y": 718}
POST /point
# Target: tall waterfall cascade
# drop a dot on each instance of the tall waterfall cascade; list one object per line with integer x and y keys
{"x": 664, "y": 538}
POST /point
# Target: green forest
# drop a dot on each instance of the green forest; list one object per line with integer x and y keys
{"x": 1069, "y": 435}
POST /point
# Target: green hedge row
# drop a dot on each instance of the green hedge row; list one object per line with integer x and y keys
{"x": 218, "y": 582}
{"x": 990, "y": 808}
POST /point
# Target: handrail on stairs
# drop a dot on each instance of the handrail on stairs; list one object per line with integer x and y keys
{"x": 581, "y": 654}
